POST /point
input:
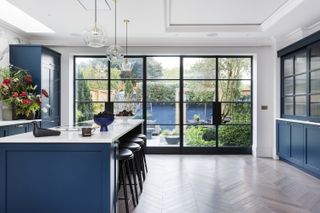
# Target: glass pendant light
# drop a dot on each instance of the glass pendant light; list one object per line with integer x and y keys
{"x": 126, "y": 65}
{"x": 95, "y": 37}
{"x": 115, "y": 53}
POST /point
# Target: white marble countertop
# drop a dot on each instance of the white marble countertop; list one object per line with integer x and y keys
{"x": 16, "y": 122}
{"x": 117, "y": 129}
{"x": 298, "y": 121}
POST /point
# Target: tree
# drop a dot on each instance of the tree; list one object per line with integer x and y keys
{"x": 84, "y": 111}
{"x": 154, "y": 68}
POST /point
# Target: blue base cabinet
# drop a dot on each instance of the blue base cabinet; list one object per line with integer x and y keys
{"x": 58, "y": 178}
{"x": 299, "y": 145}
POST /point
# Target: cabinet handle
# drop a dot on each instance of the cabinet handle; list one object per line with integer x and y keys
{"x": 19, "y": 126}
{"x": 52, "y": 121}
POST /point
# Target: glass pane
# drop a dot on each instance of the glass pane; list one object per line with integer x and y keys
{"x": 300, "y": 105}
{"x": 199, "y": 68}
{"x": 91, "y": 90}
{"x": 91, "y": 68}
{"x": 288, "y": 106}
{"x": 137, "y": 70}
{"x": 197, "y": 113}
{"x": 234, "y": 136}
{"x": 162, "y": 91}
{"x": 85, "y": 111}
{"x": 315, "y": 105}
{"x": 163, "y": 113}
{"x": 288, "y": 86}
{"x": 200, "y": 136}
{"x": 315, "y": 57}
{"x": 135, "y": 108}
{"x": 199, "y": 91}
{"x": 127, "y": 90}
{"x": 234, "y": 68}
{"x": 163, "y": 135}
{"x": 239, "y": 113}
{"x": 315, "y": 82}
{"x": 301, "y": 84}
{"x": 234, "y": 90}
{"x": 163, "y": 67}
{"x": 288, "y": 67}
{"x": 300, "y": 63}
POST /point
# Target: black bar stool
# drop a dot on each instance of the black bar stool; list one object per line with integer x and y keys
{"x": 135, "y": 148}
{"x": 125, "y": 155}
{"x": 144, "y": 138}
{"x": 141, "y": 154}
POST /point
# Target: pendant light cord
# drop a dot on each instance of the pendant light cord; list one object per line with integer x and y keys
{"x": 126, "y": 36}
{"x": 115, "y": 23}
{"x": 95, "y": 13}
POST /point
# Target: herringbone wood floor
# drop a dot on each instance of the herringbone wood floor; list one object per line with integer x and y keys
{"x": 224, "y": 183}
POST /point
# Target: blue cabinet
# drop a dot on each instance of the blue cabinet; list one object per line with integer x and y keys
{"x": 299, "y": 144}
{"x": 44, "y": 66}
{"x": 313, "y": 148}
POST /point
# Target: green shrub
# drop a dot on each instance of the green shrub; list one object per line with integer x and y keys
{"x": 195, "y": 136}
{"x": 235, "y": 135}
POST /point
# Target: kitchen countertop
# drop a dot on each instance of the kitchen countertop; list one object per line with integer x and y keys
{"x": 117, "y": 129}
{"x": 16, "y": 122}
{"x": 298, "y": 121}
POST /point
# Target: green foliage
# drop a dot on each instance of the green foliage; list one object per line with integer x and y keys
{"x": 167, "y": 132}
{"x": 158, "y": 91}
{"x": 154, "y": 68}
{"x": 84, "y": 111}
{"x": 195, "y": 136}
{"x": 235, "y": 135}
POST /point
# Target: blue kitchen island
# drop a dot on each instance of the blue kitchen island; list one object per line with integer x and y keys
{"x": 62, "y": 174}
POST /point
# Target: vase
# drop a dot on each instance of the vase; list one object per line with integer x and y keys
{"x": 6, "y": 112}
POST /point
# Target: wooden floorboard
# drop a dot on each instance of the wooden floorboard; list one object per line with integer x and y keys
{"x": 225, "y": 183}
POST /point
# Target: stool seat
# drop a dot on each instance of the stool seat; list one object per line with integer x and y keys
{"x": 139, "y": 141}
{"x": 132, "y": 146}
{"x": 125, "y": 154}
{"x": 142, "y": 136}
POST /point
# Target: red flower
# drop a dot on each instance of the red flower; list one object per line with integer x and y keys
{"x": 45, "y": 93}
{"x": 26, "y": 101}
{"x": 6, "y": 81}
{"x": 15, "y": 95}
{"x": 23, "y": 94}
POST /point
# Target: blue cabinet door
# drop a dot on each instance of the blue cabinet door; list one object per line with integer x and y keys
{"x": 2, "y": 132}
{"x": 284, "y": 135}
{"x": 313, "y": 149}
{"x": 297, "y": 143}
{"x": 17, "y": 129}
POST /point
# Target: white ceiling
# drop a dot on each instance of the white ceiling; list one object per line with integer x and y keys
{"x": 176, "y": 22}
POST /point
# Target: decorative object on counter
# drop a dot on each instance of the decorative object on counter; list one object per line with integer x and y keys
{"x": 95, "y": 37}
{"x": 103, "y": 119}
{"x": 109, "y": 107}
{"x": 41, "y": 132}
{"x": 18, "y": 94}
{"x": 125, "y": 113}
{"x": 87, "y": 131}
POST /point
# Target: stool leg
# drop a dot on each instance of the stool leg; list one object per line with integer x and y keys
{"x": 135, "y": 179}
{"x": 144, "y": 159}
{"x": 138, "y": 169}
{"x": 142, "y": 165}
{"x": 123, "y": 174}
{"x": 130, "y": 182}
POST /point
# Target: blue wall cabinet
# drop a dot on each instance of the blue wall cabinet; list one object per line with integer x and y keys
{"x": 299, "y": 145}
{"x": 44, "y": 66}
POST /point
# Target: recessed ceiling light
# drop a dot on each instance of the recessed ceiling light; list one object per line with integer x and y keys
{"x": 212, "y": 34}
{"x": 18, "y": 18}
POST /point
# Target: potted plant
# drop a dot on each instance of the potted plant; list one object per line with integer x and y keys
{"x": 171, "y": 137}
{"x": 18, "y": 94}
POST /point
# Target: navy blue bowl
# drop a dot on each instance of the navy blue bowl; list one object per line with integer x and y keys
{"x": 103, "y": 122}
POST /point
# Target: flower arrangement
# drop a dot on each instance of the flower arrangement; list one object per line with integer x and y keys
{"x": 17, "y": 88}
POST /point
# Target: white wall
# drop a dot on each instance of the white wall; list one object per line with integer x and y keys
{"x": 263, "y": 86}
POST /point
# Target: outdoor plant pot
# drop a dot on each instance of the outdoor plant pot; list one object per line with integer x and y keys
{"x": 172, "y": 139}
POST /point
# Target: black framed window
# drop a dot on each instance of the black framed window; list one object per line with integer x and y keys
{"x": 188, "y": 102}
